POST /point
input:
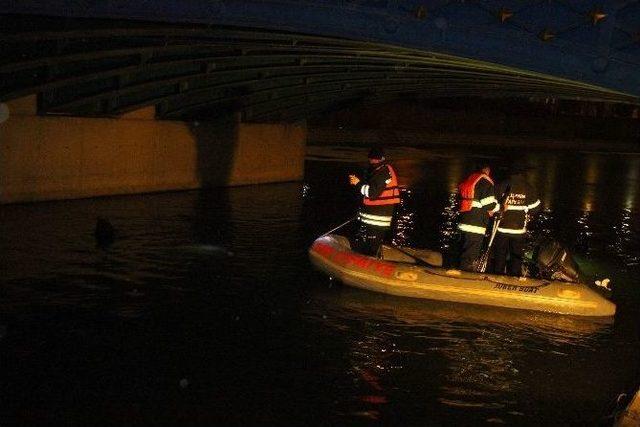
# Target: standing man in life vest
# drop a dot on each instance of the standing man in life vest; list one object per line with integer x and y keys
{"x": 520, "y": 200}
{"x": 380, "y": 196}
{"x": 477, "y": 202}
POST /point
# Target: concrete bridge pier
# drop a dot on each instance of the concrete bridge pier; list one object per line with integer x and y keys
{"x": 61, "y": 157}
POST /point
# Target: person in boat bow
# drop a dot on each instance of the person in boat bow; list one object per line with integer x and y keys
{"x": 380, "y": 196}
{"x": 520, "y": 200}
{"x": 477, "y": 201}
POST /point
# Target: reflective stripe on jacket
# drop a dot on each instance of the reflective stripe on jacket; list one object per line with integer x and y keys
{"x": 520, "y": 201}
{"x": 474, "y": 229}
{"x": 512, "y": 231}
{"x": 478, "y": 199}
{"x": 377, "y": 220}
{"x": 524, "y": 209}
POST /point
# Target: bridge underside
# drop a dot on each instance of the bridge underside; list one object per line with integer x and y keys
{"x": 134, "y": 96}
{"x": 87, "y": 67}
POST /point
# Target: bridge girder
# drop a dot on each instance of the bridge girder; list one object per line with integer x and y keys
{"x": 217, "y": 57}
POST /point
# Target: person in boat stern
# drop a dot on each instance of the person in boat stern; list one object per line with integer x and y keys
{"x": 519, "y": 201}
{"x": 477, "y": 202}
{"x": 380, "y": 196}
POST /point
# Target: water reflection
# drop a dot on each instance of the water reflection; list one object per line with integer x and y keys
{"x": 405, "y": 220}
{"x": 456, "y": 174}
{"x": 631, "y": 191}
{"x": 448, "y": 231}
{"x": 593, "y": 169}
{"x": 469, "y": 358}
{"x": 402, "y": 312}
{"x": 543, "y": 175}
{"x": 491, "y": 364}
{"x": 583, "y": 231}
{"x": 216, "y": 287}
{"x": 625, "y": 239}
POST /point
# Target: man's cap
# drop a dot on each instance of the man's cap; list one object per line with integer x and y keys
{"x": 481, "y": 164}
{"x": 376, "y": 153}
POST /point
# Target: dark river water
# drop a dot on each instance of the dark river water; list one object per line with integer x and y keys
{"x": 205, "y": 309}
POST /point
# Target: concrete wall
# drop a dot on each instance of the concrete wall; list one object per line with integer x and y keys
{"x": 47, "y": 157}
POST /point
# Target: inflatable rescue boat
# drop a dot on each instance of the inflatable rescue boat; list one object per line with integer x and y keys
{"x": 418, "y": 274}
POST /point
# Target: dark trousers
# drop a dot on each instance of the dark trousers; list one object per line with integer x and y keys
{"x": 509, "y": 251}
{"x": 471, "y": 250}
{"x": 369, "y": 238}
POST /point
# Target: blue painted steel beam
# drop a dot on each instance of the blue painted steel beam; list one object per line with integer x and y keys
{"x": 596, "y": 42}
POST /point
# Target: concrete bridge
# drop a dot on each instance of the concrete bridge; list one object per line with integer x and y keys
{"x": 107, "y": 97}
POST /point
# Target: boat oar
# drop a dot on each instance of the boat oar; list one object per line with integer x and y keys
{"x": 340, "y": 226}
{"x": 484, "y": 259}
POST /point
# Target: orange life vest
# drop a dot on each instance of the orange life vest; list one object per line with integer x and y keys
{"x": 467, "y": 189}
{"x": 390, "y": 195}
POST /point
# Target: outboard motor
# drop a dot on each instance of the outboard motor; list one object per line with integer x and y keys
{"x": 554, "y": 261}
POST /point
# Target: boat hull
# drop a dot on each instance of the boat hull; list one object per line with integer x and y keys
{"x": 332, "y": 255}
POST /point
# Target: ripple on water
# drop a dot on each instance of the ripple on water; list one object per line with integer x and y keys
{"x": 215, "y": 286}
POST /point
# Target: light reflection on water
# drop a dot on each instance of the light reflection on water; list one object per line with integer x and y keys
{"x": 449, "y": 223}
{"x": 481, "y": 362}
{"x": 215, "y": 288}
{"x": 490, "y": 364}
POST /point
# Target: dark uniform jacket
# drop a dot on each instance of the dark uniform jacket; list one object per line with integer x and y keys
{"x": 520, "y": 199}
{"x": 374, "y": 183}
{"x": 475, "y": 220}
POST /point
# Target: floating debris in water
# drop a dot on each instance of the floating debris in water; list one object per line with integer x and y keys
{"x": 216, "y": 250}
{"x": 135, "y": 293}
{"x": 184, "y": 383}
